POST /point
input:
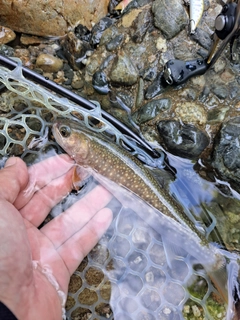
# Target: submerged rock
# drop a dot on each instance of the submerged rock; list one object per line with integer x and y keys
{"x": 183, "y": 140}
{"x": 226, "y": 154}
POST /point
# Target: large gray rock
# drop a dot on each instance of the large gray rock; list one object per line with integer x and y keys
{"x": 52, "y": 17}
{"x": 169, "y": 16}
{"x": 183, "y": 140}
{"x": 226, "y": 155}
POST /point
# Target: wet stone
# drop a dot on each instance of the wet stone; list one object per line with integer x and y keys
{"x": 6, "y": 50}
{"x": 49, "y": 63}
{"x": 98, "y": 29}
{"x": 109, "y": 34}
{"x": 220, "y": 91}
{"x": 203, "y": 38}
{"x": 226, "y": 155}
{"x": 149, "y": 74}
{"x": 114, "y": 43}
{"x": 141, "y": 25}
{"x": 75, "y": 50}
{"x": 170, "y": 22}
{"x": 150, "y": 110}
{"x": 155, "y": 88}
{"x": 100, "y": 82}
{"x": 184, "y": 140}
{"x": 6, "y": 35}
{"x": 123, "y": 71}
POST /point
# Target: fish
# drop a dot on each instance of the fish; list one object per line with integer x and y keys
{"x": 102, "y": 158}
{"x": 91, "y": 149}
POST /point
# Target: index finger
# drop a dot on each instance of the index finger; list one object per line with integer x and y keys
{"x": 41, "y": 174}
{"x": 13, "y": 178}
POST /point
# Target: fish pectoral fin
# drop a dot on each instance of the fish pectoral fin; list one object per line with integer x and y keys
{"x": 80, "y": 177}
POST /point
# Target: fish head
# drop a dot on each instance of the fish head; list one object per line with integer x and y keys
{"x": 72, "y": 138}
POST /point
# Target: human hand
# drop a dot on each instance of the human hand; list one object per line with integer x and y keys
{"x": 26, "y": 197}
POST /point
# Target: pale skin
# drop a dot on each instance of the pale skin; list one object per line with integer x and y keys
{"x": 26, "y": 197}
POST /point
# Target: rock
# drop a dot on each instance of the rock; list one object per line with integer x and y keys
{"x": 191, "y": 112}
{"x": 203, "y": 38}
{"x": 49, "y": 63}
{"x": 31, "y": 40}
{"x": 53, "y": 18}
{"x": 141, "y": 25}
{"x": 100, "y": 82}
{"x": 24, "y": 55}
{"x": 77, "y": 81}
{"x": 151, "y": 109}
{"x": 220, "y": 90}
{"x": 155, "y": 88}
{"x": 226, "y": 154}
{"x": 123, "y": 71}
{"x": 115, "y": 43}
{"x": 6, "y": 35}
{"x": 169, "y": 16}
{"x": 183, "y": 140}
{"x": 75, "y": 49}
{"x": 6, "y": 50}
{"x": 217, "y": 115}
{"x": 99, "y": 28}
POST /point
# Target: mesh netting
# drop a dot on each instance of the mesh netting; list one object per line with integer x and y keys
{"x": 131, "y": 273}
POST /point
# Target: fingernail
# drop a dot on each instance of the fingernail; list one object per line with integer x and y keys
{"x": 10, "y": 162}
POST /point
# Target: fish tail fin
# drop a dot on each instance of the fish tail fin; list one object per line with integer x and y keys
{"x": 233, "y": 290}
{"x": 219, "y": 277}
{"x": 225, "y": 279}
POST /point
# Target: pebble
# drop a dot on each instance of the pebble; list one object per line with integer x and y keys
{"x": 6, "y": 35}
{"x": 226, "y": 155}
{"x": 183, "y": 140}
{"x": 6, "y": 50}
{"x": 151, "y": 109}
{"x": 170, "y": 22}
{"x": 114, "y": 43}
{"x": 155, "y": 88}
{"x": 100, "y": 82}
{"x": 49, "y": 63}
{"x": 191, "y": 112}
{"x": 123, "y": 71}
{"x": 141, "y": 25}
{"x": 27, "y": 40}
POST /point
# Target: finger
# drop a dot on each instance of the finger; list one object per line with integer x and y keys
{"x": 41, "y": 174}
{"x": 13, "y": 178}
{"x": 76, "y": 217}
{"x": 36, "y": 210}
{"x": 77, "y": 247}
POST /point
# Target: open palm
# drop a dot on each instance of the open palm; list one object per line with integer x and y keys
{"x": 36, "y": 264}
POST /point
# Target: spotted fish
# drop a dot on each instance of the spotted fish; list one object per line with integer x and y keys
{"x": 93, "y": 150}
{"x": 98, "y": 155}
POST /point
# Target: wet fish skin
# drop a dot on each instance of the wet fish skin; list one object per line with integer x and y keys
{"x": 90, "y": 149}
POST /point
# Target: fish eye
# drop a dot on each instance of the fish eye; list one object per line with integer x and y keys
{"x": 65, "y": 131}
